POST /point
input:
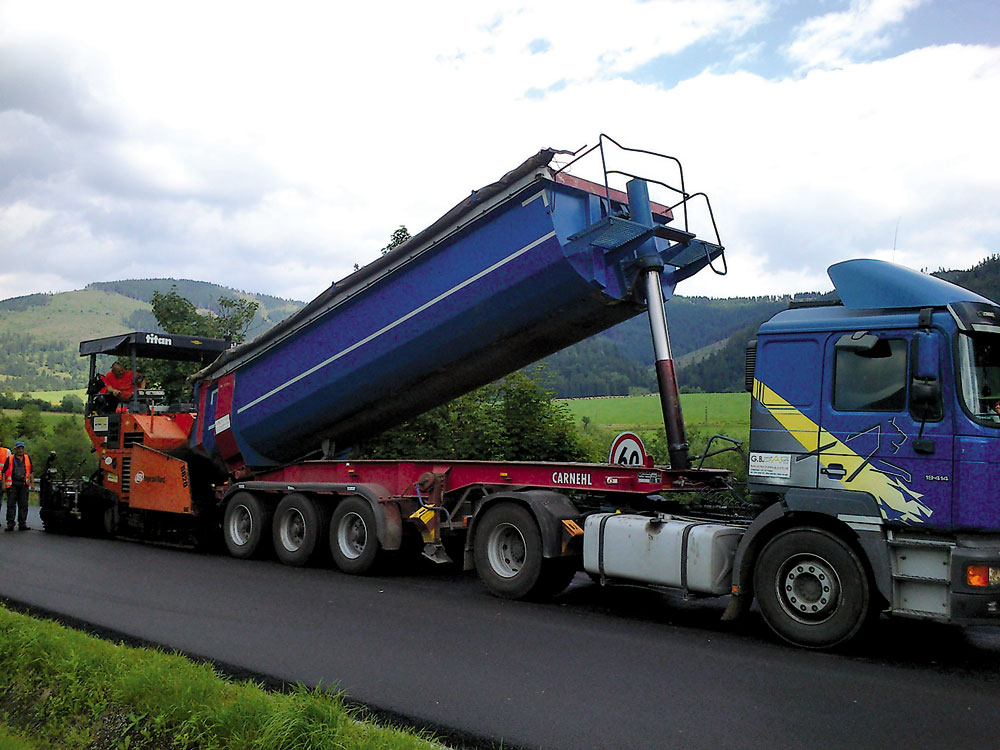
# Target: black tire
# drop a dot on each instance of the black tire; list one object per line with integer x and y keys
{"x": 57, "y": 521}
{"x": 354, "y": 542}
{"x": 96, "y": 511}
{"x": 508, "y": 555}
{"x": 812, "y": 588}
{"x": 246, "y": 525}
{"x": 299, "y": 529}
{"x": 557, "y": 573}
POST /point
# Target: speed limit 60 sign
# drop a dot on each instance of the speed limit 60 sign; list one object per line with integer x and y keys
{"x": 627, "y": 450}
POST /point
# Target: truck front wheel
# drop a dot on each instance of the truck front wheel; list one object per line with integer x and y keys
{"x": 353, "y": 537}
{"x": 508, "y": 554}
{"x": 246, "y": 525}
{"x": 811, "y": 588}
{"x": 299, "y": 529}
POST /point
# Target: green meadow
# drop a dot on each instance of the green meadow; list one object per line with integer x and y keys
{"x": 55, "y": 397}
{"x": 643, "y": 412}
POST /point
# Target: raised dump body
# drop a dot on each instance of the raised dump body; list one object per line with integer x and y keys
{"x": 522, "y": 268}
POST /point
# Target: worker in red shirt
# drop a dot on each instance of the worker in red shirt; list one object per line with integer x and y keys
{"x": 121, "y": 383}
{"x": 118, "y": 386}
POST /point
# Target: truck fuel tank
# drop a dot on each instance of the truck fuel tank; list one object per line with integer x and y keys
{"x": 663, "y": 550}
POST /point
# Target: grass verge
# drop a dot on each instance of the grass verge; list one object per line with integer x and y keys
{"x": 62, "y": 688}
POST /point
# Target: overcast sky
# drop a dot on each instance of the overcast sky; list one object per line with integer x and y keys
{"x": 271, "y": 146}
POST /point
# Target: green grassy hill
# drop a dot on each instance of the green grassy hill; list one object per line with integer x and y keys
{"x": 62, "y": 317}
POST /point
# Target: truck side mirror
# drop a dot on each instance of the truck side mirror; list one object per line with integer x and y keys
{"x": 925, "y": 382}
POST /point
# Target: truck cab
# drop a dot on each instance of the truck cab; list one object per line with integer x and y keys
{"x": 877, "y": 415}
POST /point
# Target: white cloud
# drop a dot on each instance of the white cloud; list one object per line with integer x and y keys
{"x": 836, "y": 39}
{"x": 272, "y": 150}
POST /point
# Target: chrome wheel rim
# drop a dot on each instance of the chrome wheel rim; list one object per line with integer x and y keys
{"x": 808, "y": 588}
{"x": 352, "y": 535}
{"x": 292, "y": 530}
{"x": 505, "y": 549}
{"x": 240, "y": 525}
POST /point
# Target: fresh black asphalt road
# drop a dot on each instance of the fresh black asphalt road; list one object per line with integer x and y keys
{"x": 597, "y": 668}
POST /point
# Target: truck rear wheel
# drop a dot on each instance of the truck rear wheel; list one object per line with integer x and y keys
{"x": 812, "y": 588}
{"x": 245, "y": 525}
{"x": 354, "y": 541}
{"x": 508, "y": 555}
{"x": 298, "y": 529}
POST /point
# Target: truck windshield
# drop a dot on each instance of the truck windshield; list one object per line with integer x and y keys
{"x": 979, "y": 374}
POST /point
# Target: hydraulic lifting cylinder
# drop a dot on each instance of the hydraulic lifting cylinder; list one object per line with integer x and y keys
{"x": 650, "y": 268}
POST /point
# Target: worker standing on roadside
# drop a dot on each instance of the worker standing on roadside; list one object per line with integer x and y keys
{"x": 5, "y": 454}
{"x": 20, "y": 481}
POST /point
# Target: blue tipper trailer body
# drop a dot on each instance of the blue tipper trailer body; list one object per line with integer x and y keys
{"x": 521, "y": 269}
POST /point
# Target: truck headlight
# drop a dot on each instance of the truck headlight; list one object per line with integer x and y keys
{"x": 982, "y": 576}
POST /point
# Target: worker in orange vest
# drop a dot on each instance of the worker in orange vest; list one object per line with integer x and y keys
{"x": 19, "y": 471}
{"x": 5, "y": 453}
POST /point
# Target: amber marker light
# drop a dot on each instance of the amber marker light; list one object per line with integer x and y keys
{"x": 982, "y": 576}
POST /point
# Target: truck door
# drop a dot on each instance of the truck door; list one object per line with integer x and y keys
{"x": 870, "y": 440}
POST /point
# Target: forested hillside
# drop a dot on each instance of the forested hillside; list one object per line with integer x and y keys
{"x": 723, "y": 369}
{"x": 40, "y": 334}
{"x": 983, "y": 278}
{"x": 620, "y": 360}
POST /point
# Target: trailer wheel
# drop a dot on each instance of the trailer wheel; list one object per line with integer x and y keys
{"x": 811, "y": 588}
{"x": 354, "y": 541}
{"x": 508, "y": 555}
{"x": 245, "y": 525}
{"x": 298, "y": 529}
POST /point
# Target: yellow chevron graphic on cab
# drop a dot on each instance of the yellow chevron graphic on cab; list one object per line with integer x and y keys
{"x": 896, "y": 500}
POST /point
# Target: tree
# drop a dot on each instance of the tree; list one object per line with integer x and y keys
{"x": 175, "y": 314}
{"x": 74, "y": 458}
{"x": 400, "y": 236}
{"x": 8, "y": 431}
{"x": 513, "y": 419}
{"x": 72, "y": 404}
{"x": 30, "y": 424}
{"x": 235, "y": 318}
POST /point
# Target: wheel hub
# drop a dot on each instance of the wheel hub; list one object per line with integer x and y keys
{"x": 352, "y": 535}
{"x": 809, "y": 588}
{"x": 240, "y": 525}
{"x": 505, "y": 549}
{"x": 292, "y": 530}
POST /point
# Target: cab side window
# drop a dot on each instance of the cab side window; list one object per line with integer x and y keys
{"x": 873, "y": 379}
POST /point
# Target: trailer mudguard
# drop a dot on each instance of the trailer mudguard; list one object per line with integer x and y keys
{"x": 549, "y": 509}
{"x": 855, "y": 510}
{"x": 388, "y": 520}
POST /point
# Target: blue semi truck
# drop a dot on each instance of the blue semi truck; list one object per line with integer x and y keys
{"x": 871, "y": 470}
{"x": 874, "y": 457}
